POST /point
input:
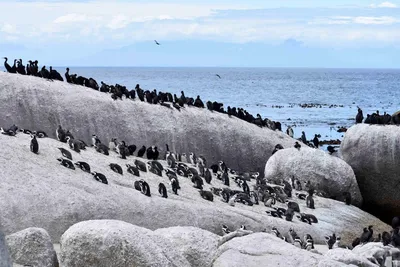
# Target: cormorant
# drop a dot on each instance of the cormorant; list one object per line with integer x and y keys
{"x": 21, "y": 68}
{"x": 7, "y": 66}
{"x": 29, "y": 68}
{"x": 218, "y": 76}
{"x": 157, "y": 43}
{"x": 45, "y": 73}
{"x": 297, "y": 145}
{"x": 67, "y": 77}
{"x": 55, "y": 75}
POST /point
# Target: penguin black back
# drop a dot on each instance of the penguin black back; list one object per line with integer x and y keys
{"x": 162, "y": 190}
{"x": 34, "y": 145}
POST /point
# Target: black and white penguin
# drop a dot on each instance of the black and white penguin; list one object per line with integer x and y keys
{"x": 40, "y": 134}
{"x": 133, "y": 170}
{"x": 274, "y": 213}
{"x": 297, "y": 146}
{"x": 65, "y": 153}
{"x": 192, "y": 158}
{"x": 156, "y": 153}
{"x": 100, "y": 177}
{"x": 225, "y": 178}
{"x": 101, "y": 148}
{"x": 141, "y": 152}
{"x": 308, "y": 242}
{"x": 245, "y": 187}
{"x": 304, "y": 218}
{"x": 197, "y": 181}
{"x": 112, "y": 145}
{"x": 34, "y": 144}
{"x": 116, "y": 168}
{"x": 145, "y": 188}
{"x": 141, "y": 165}
{"x": 331, "y": 149}
{"x": 69, "y": 134}
{"x": 287, "y": 188}
{"x": 225, "y": 229}
{"x": 83, "y": 166}
{"x": 207, "y": 176}
{"x": 60, "y": 133}
{"x": 310, "y": 201}
{"x": 289, "y": 214}
{"x": 66, "y": 163}
{"x": 153, "y": 168}
{"x": 171, "y": 161}
{"x": 277, "y": 233}
{"x": 293, "y": 205}
{"x": 162, "y": 190}
{"x": 301, "y": 196}
{"x": 8, "y": 132}
{"x": 73, "y": 144}
{"x": 207, "y": 195}
{"x": 277, "y": 148}
{"x": 95, "y": 140}
{"x": 174, "y": 185}
{"x": 25, "y": 131}
{"x": 121, "y": 149}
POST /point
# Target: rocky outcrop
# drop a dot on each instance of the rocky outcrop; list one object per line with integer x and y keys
{"x": 373, "y": 151}
{"x": 349, "y": 257}
{"x": 33, "y": 247}
{"x": 198, "y": 246}
{"x": 108, "y": 243}
{"x": 55, "y": 198}
{"x": 5, "y": 260}
{"x": 326, "y": 173}
{"x": 38, "y": 104}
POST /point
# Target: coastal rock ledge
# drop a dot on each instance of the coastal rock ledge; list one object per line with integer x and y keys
{"x": 373, "y": 151}
{"x": 326, "y": 173}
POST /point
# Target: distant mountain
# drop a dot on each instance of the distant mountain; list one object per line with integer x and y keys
{"x": 192, "y": 53}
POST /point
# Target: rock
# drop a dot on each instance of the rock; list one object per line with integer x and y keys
{"x": 261, "y": 249}
{"x": 197, "y": 245}
{"x": 108, "y": 243}
{"x": 328, "y": 174}
{"x": 5, "y": 260}
{"x": 55, "y": 198}
{"x": 375, "y": 251}
{"x": 373, "y": 153}
{"x": 32, "y": 246}
{"x": 349, "y": 257}
{"x": 85, "y": 111}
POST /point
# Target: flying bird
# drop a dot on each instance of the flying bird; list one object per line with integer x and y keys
{"x": 157, "y": 43}
{"x": 218, "y": 76}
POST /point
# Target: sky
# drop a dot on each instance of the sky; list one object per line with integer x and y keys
{"x": 237, "y": 33}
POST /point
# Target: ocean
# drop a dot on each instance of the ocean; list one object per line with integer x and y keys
{"x": 316, "y": 101}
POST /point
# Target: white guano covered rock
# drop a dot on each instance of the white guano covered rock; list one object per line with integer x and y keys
{"x": 349, "y": 257}
{"x": 328, "y": 174}
{"x": 197, "y": 245}
{"x": 5, "y": 260}
{"x": 373, "y": 151}
{"x": 109, "y": 243}
{"x": 38, "y": 104}
{"x": 261, "y": 249}
{"x": 33, "y": 247}
{"x": 55, "y": 198}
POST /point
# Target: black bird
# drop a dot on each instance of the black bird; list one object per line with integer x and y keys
{"x": 53, "y": 74}
{"x": 100, "y": 177}
{"x": 34, "y": 144}
{"x": 66, "y": 163}
{"x": 218, "y": 76}
{"x": 133, "y": 170}
{"x": 157, "y": 43}
{"x": 162, "y": 190}
{"x": 116, "y": 168}
{"x": 83, "y": 165}
{"x": 297, "y": 145}
{"x": 141, "y": 165}
{"x": 331, "y": 149}
{"x": 67, "y": 77}
{"x": 21, "y": 68}
{"x": 45, "y": 73}
{"x": 8, "y": 132}
{"x": 65, "y": 153}
{"x": 40, "y": 134}
{"x": 141, "y": 152}
{"x": 8, "y": 67}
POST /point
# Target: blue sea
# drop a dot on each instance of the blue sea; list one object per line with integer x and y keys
{"x": 331, "y": 96}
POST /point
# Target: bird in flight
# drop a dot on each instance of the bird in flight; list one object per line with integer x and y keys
{"x": 157, "y": 43}
{"x": 218, "y": 76}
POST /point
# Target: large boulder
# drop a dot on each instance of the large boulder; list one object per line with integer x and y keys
{"x": 197, "y": 245}
{"x": 108, "y": 243}
{"x": 55, "y": 198}
{"x": 349, "y": 257}
{"x": 261, "y": 249}
{"x": 326, "y": 173}
{"x": 33, "y": 247}
{"x": 373, "y": 151}
{"x": 38, "y": 104}
{"x": 5, "y": 260}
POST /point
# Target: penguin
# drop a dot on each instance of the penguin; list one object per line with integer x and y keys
{"x": 141, "y": 152}
{"x": 310, "y": 202}
{"x": 162, "y": 190}
{"x": 73, "y": 144}
{"x": 8, "y": 132}
{"x": 225, "y": 229}
{"x": 145, "y": 188}
{"x": 192, "y": 158}
{"x": 184, "y": 158}
{"x": 225, "y": 178}
{"x": 60, "y": 133}
{"x": 100, "y": 177}
{"x": 293, "y": 205}
{"x": 197, "y": 181}
{"x": 131, "y": 149}
{"x": 34, "y": 144}
{"x": 171, "y": 161}
{"x": 137, "y": 185}
{"x": 121, "y": 149}
{"x": 65, "y": 153}
{"x": 95, "y": 140}
{"x": 287, "y": 188}
{"x": 201, "y": 159}
{"x": 69, "y": 134}
{"x": 245, "y": 187}
{"x": 149, "y": 153}
{"x": 273, "y": 213}
{"x": 301, "y": 196}
{"x": 141, "y": 165}
{"x": 154, "y": 169}
{"x": 101, "y": 148}
{"x": 289, "y": 214}
{"x": 201, "y": 168}
{"x": 308, "y": 242}
{"x": 207, "y": 176}
{"x": 243, "y": 227}
{"x": 40, "y": 134}
{"x": 116, "y": 168}
{"x": 83, "y": 165}
{"x": 304, "y": 218}
{"x": 293, "y": 237}
{"x": 155, "y": 153}
{"x": 25, "y": 131}
{"x": 66, "y": 163}
{"x": 207, "y": 195}
{"x": 112, "y": 144}
{"x": 297, "y": 146}
{"x": 133, "y": 170}
{"x": 174, "y": 185}
{"x": 277, "y": 148}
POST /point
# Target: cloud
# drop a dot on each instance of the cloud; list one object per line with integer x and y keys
{"x": 74, "y": 17}
{"x": 8, "y": 28}
{"x": 384, "y": 5}
{"x": 376, "y": 20}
